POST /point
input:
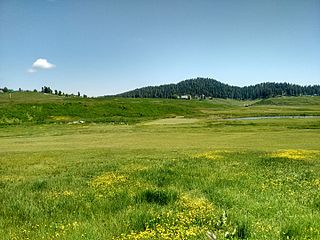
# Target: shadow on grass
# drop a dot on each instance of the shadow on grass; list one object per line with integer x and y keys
{"x": 160, "y": 197}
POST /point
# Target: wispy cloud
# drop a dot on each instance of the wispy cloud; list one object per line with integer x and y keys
{"x": 41, "y": 63}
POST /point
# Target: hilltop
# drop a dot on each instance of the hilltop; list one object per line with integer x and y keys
{"x": 207, "y": 87}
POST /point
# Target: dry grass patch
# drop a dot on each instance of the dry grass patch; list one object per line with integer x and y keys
{"x": 173, "y": 121}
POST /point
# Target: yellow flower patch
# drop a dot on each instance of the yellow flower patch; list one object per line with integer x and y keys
{"x": 53, "y": 231}
{"x": 191, "y": 220}
{"x": 294, "y": 154}
{"x": 198, "y": 205}
{"x": 212, "y": 155}
{"x": 107, "y": 180}
{"x": 61, "y": 194}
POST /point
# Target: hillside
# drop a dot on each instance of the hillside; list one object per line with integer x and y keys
{"x": 35, "y": 108}
{"x": 29, "y": 107}
{"x": 206, "y": 87}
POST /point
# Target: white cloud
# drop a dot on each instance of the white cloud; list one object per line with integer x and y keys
{"x": 41, "y": 63}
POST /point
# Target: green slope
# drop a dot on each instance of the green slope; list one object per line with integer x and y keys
{"x": 41, "y": 108}
{"x": 30, "y": 108}
{"x": 291, "y": 101}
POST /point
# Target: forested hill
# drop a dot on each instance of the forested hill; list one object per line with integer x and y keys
{"x": 206, "y": 87}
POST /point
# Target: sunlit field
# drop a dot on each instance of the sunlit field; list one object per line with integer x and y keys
{"x": 168, "y": 174}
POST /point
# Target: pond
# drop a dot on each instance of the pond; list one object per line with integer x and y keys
{"x": 269, "y": 117}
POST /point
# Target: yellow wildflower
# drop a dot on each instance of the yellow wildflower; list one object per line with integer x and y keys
{"x": 294, "y": 154}
{"x": 212, "y": 155}
{"x": 107, "y": 180}
{"x": 183, "y": 224}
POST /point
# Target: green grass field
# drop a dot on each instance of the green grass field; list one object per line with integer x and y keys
{"x": 137, "y": 169}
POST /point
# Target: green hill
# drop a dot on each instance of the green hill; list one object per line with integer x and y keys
{"x": 29, "y": 107}
{"x": 35, "y": 108}
{"x": 291, "y": 101}
{"x": 206, "y": 87}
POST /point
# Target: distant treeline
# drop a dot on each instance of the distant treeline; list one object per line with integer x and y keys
{"x": 206, "y": 87}
{"x": 44, "y": 89}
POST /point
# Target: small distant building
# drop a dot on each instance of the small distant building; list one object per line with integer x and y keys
{"x": 1, "y": 91}
{"x": 200, "y": 97}
{"x": 186, "y": 97}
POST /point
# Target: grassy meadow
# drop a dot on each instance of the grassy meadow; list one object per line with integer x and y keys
{"x": 158, "y": 168}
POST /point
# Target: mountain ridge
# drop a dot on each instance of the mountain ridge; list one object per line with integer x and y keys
{"x": 208, "y": 87}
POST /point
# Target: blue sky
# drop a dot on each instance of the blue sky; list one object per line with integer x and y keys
{"x": 103, "y": 47}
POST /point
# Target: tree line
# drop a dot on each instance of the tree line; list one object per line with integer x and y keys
{"x": 200, "y": 87}
{"x": 46, "y": 90}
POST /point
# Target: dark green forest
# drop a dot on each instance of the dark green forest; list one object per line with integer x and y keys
{"x": 207, "y": 87}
